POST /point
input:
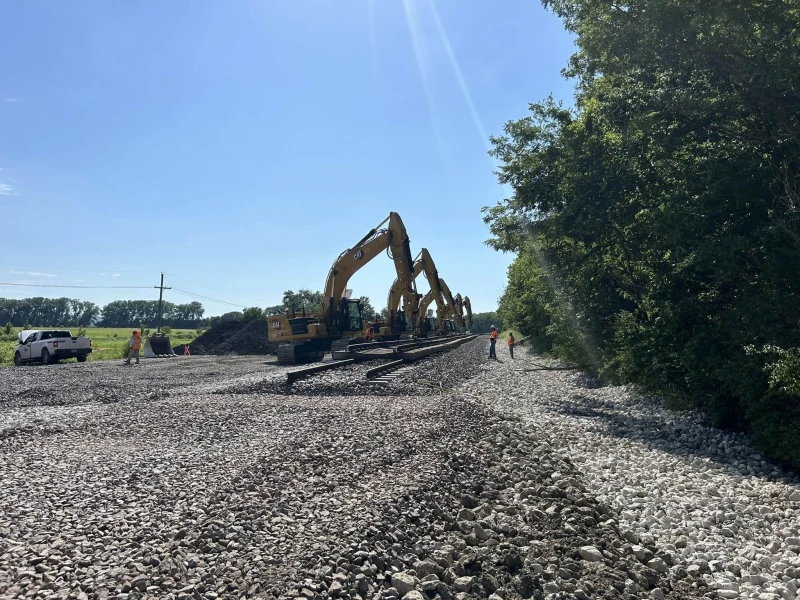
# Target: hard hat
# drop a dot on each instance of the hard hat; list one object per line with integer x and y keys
{"x": 493, "y": 327}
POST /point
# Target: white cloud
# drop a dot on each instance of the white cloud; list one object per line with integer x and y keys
{"x": 9, "y": 99}
{"x": 6, "y": 190}
{"x": 115, "y": 275}
{"x": 35, "y": 274}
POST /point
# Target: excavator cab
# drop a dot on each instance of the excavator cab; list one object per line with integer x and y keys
{"x": 351, "y": 316}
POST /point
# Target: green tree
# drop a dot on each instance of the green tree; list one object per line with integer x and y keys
{"x": 367, "y": 308}
{"x": 657, "y": 225}
{"x": 303, "y": 299}
{"x": 253, "y": 313}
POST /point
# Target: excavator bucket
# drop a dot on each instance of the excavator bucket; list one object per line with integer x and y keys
{"x": 158, "y": 346}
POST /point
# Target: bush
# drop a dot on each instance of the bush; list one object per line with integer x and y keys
{"x": 8, "y": 329}
{"x": 166, "y": 329}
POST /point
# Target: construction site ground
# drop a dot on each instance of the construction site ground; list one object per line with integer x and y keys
{"x": 208, "y": 477}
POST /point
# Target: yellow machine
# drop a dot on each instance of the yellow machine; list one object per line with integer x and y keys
{"x": 452, "y": 310}
{"x": 468, "y": 308}
{"x": 399, "y": 321}
{"x": 307, "y": 337}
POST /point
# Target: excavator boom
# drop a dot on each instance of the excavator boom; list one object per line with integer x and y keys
{"x": 451, "y": 303}
{"x": 423, "y": 264}
{"x": 468, "y": 308}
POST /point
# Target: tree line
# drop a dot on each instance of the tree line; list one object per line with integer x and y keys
{"x": 656, "y": 225}
{"x": 69, "y": 312}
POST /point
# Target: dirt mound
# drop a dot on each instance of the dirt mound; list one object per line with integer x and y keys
{"x": 253, "y": 339}
{"x": 233, "y": 337}
{"x": 212, "y": 338}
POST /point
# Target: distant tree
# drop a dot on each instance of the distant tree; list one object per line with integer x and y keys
{"x": 304, "y": 299}
{"x": 253, "y": 313}
{"x": 367, "y": 308}
{"x": 482, "y": 322}
{"x": 227, "y": 317}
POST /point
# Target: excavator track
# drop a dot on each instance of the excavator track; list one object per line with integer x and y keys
{"x": 298, "y": 353}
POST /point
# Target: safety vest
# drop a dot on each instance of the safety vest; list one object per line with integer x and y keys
{"x": 494, "y": 335}
{"x": 137, "y": 341}
{"x": 510, "y": 340}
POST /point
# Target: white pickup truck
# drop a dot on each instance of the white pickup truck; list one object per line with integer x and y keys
{"x": 50, "y": 345}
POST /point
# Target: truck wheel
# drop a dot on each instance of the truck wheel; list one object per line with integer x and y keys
{"x": 46, "y": 359}
{"x": 81, "y": 359}
{"x": 17, "y": 359}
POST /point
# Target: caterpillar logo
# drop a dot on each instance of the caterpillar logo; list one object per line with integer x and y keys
{"x": 359, "y": 254}
{"x": 276, "y": 324}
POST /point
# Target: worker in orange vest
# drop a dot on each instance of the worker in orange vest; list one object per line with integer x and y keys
{"x": 370, "y": 332}
{"x": 493, "y": 343}
{"x": 134, "y": 345}
{"x": 511, "y": 344}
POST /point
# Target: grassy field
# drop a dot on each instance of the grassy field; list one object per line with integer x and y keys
{"x": 107, "y": 343}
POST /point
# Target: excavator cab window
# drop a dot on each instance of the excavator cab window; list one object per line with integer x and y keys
{"x": 355, "y": 315}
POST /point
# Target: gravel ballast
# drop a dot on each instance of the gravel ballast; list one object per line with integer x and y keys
{"x": 209, "y": 477}
{"x": 726, "y": 518}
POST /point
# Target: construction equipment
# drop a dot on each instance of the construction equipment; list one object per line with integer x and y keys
{"x": 426, "y": 324}
{"x": 468, "y": 308}
{"x": 450, "y": 302}
{"x": 158, "y": 346}
{"x": 459, "y": 306}
{"x": 400, "y": 320}
{"x": 307, "y": 337}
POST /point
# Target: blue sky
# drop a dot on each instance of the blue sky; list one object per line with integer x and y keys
{"x": 244, "y": 145}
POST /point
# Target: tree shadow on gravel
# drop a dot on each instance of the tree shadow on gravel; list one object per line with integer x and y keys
{"x": 677, "y": 438}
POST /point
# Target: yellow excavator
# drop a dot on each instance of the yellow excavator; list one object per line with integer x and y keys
{"x": 445, "y": 321}
{"x": 468, "y": 308}
{"x": 305, "y": 338}
{"x": 459, "y": 307}
{"x": 397, "y": 321}
{"x": 452, "y": 309}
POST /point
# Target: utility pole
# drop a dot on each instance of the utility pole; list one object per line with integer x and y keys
{"x": 161, "y": 289}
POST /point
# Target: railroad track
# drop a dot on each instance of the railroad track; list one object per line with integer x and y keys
{"x": 402, "y": 351}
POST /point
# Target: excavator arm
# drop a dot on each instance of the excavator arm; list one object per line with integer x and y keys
{"x": 393, "y": 238}
{"x": 423, "y": 264}
{"x": 468, "y": 308}
{"x": 450, "y": 301}
{"x": 459, "y": 306}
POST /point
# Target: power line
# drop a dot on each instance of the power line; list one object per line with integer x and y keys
{"x": 109, "y": 287}
{"x": 192, "y": 295}
{"x": 216, "y": 289}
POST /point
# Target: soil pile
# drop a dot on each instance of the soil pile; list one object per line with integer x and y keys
{"x": 233, "y": 337}
{"x": 252, "y": 339}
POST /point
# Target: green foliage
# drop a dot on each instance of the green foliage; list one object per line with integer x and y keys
{"x": 303, "y": 299}
{"x": 253, "y": 313}
{"x": 68, "y": 312}
{"x": 7, "y": 329}
{"x": 367, "y": 308}
{"x": 166, "y": 329}
{"x": 482, "y": 322}
{"x": 657, "y": 225}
